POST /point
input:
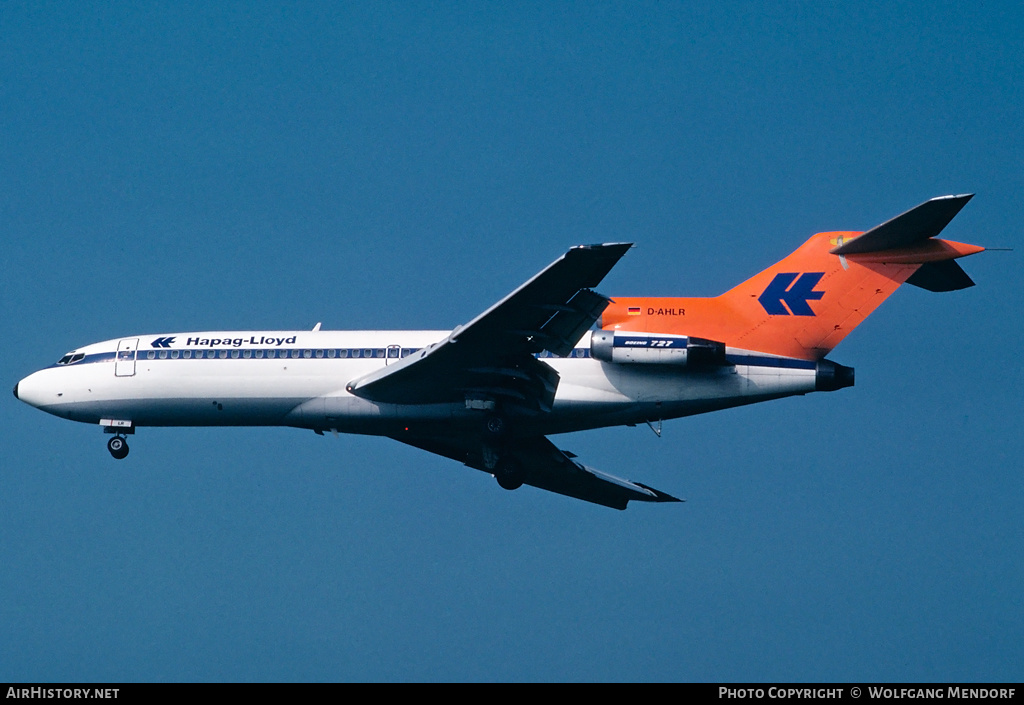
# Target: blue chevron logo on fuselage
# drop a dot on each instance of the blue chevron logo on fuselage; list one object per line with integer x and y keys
{"x": 794, "y": 293}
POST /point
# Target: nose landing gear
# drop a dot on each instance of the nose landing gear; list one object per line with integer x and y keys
{"x": 118, "y": 447}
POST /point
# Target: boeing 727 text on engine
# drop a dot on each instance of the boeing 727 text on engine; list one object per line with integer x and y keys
{"x": 488, "y": 393}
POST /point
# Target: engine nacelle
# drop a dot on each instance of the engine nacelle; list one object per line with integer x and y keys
{"x": 625, "y": 347}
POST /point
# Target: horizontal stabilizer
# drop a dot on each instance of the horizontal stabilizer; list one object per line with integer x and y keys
{"x": 908, "y": 229}
{"x": 941, "y": 276}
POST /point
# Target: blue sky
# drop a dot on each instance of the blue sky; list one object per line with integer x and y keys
{"x": 260, "y": 166}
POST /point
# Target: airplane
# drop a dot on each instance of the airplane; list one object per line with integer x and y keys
{"x": 490, "y": 392}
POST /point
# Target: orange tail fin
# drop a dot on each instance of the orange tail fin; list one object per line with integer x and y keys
{"x": 804, "y": 305}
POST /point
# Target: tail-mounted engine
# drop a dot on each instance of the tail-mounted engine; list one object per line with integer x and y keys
{"x": 655, "y": 349}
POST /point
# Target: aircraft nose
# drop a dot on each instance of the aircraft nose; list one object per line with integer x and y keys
{"x": 36, "y": 390}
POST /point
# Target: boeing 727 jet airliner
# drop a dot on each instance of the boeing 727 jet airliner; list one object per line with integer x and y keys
{"x": 489, "y": 392}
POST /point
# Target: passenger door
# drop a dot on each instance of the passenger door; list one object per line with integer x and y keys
{"x": 124, "y": 364}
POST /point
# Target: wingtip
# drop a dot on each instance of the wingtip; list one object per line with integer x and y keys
{"x": 605, "y": 246}
{"x": 658, "y": 495}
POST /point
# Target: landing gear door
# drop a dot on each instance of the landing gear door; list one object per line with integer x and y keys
{"x": 124, "y": 364}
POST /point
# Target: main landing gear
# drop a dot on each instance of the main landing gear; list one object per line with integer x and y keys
{"x": 509, "y": 474}
{"x": 118, "y": 447}
{"x": 506, "y": 470}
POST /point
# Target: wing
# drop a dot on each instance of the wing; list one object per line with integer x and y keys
{"x": 536, "y": 461}
{"x": 491, "y": 357}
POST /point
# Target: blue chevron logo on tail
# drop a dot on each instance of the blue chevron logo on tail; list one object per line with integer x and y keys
{"x": 794, "y": 293}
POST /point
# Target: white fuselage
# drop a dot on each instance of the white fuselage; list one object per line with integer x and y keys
{"x": 298, "y": 378}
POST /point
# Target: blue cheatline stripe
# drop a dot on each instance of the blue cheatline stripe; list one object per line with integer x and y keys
{"x": 94, "y": 357}
{"x": 786, "y": 363}
{"x": 272, "y": 354}
{"x": 379, "y": 353}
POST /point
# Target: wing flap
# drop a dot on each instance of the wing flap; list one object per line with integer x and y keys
{"x": 562, "y": 331}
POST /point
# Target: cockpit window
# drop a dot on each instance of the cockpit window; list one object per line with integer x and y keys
{"x": 71, "y": 358}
